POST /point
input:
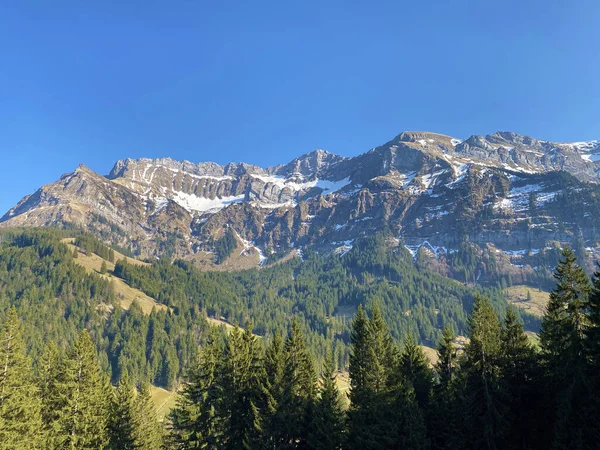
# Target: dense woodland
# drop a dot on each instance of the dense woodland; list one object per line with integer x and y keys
{"x": 499, "y": 391}
{"x": 57, "y": 298}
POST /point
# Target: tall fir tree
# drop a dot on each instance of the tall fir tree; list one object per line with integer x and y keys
{"x": 20, "y": 418}
{"x": 415, "y": 369}
{"x": 292, "y": 419}
{"x": 482, "y": 393}
{"x": 444, "y": 420}
{"x": 592, "y": 343}
{"x": 273, "y": 366}
{"x": 375, "y": 383}
{"x": 517, "y": 363}
{"x": 123, "y": 419}
{"x": 49, "y": 366}
{"x": 447, "y": 357}
{"x": 83, "y": 395}
{"x": 242, "y": 391}
{"x": 194, "y": 423}
{"x": 562, "y": 338}
{"x": 327, "y": 427}
{"x": 149, "y": 432}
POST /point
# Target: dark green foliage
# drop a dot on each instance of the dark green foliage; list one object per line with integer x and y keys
{"x": 415, "y": 369}
{"x": 20, "y": 419}
{"x": 132, "y": 420}
{"x": 592, "y": 343}
{"x": 90, "y": 244}
{"x": 563, "y": 334}
{"x": 224, "y": 246}
{"x": 123, "y": 417}
{"x": 149, "y": 433}
{"x": 517, "y": 364}
{"x": 445, "y": 418}
{"x": 243, "y": 390}
{"x": 383, "y": 410}
{"x": 327, "y": 428}
{"x": 500, "y": 393}
{"x": 83, "y": 393}
{"x": 194, "y": 421}
{"x": 298, "y": 391}
{"x": 483, "y": 397}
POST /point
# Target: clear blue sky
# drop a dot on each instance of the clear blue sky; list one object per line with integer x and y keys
{"x": 263, "y": 82}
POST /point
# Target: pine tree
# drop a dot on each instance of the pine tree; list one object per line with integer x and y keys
{"x": 565, "y": 323}
{"x": 446, "y": 351}
{"x": 517, "y": 367}
{"x": 562, "y": 337}
{"x": 242, "y": 391}
{"x": 375, "y": 384}
{"x": 592, "y": 342}
{"x": 123, "y": 421}
{"x": 445, "y": 418}
{"x": 273, "y": 370}
{"x": 291, "y": 421}
{"x": 20, "y": 419}
{"x": 327, "y": 425}
{"x": 49, "y": 366}
{"x": 148, "y": 434}
{"x": 415, "y": 369}
{"x": 483, "y": 396}
{"x": 82, "y": 392}
{"x": 194, "y": 422}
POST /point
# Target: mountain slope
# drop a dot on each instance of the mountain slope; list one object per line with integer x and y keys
{"x": 505, "y": 193}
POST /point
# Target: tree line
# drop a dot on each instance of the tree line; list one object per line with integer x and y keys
{"x": 499, "y": 391}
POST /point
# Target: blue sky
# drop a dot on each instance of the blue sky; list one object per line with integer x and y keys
{"x": 263, "y": 82}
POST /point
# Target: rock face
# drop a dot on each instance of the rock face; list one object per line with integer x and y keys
{"x": 503, "y": 191}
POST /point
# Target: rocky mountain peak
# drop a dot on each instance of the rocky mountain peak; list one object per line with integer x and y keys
{"x": 314, "y": 164}
{"x": 416, "y": 136}
{"x": 418, "y": 185}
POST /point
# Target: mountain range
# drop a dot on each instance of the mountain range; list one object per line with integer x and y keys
{"x": 510, "y": 198}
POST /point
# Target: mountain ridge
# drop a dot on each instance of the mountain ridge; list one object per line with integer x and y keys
{"x": 499, "y": 189}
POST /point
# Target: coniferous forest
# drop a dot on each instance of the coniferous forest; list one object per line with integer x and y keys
{"x": 75, "y": 367}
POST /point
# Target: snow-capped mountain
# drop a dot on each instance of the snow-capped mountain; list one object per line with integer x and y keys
{"x": 431, "y": 191}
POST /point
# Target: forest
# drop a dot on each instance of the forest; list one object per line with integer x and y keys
{"x": 57, "y": 298}
{"x": 498, "y": 391}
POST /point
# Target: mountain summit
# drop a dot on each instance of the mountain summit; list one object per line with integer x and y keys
{"x": 502, "y": 189}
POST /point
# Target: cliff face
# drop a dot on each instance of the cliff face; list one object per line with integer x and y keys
{"x": 504, "y": 193}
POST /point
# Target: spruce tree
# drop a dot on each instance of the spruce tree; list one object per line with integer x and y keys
{"x": 123, "y": 420}
{"x": 446, "y": 364}
{"x": 517, "y": 367}
{"x": 361, "y": 423}
{"x": 445, "y": 418}
{"x": 327, "y": 424}
{"x": 483, "y": 396}
{"x": 20, "y": 419}
{"x": 82, "y": 392}
{"x": 564, "y": 352}
{"x": 592, "y": 342}
{"x": 291, "y": 421}
{"x": 242, "y": 391}
{"x": 194, "y": 422}
{"x": 49, "y": 366}
{"x": 149, "y": 433}
{"x": 375, "y": 384}
{"x": 415, "y": 369}
{"x": 273, "y": 367}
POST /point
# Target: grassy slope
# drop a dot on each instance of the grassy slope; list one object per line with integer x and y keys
{"x": 125, "y": 293}
{"x": 517, "y": 296}
{"x": 163, "y": 400}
